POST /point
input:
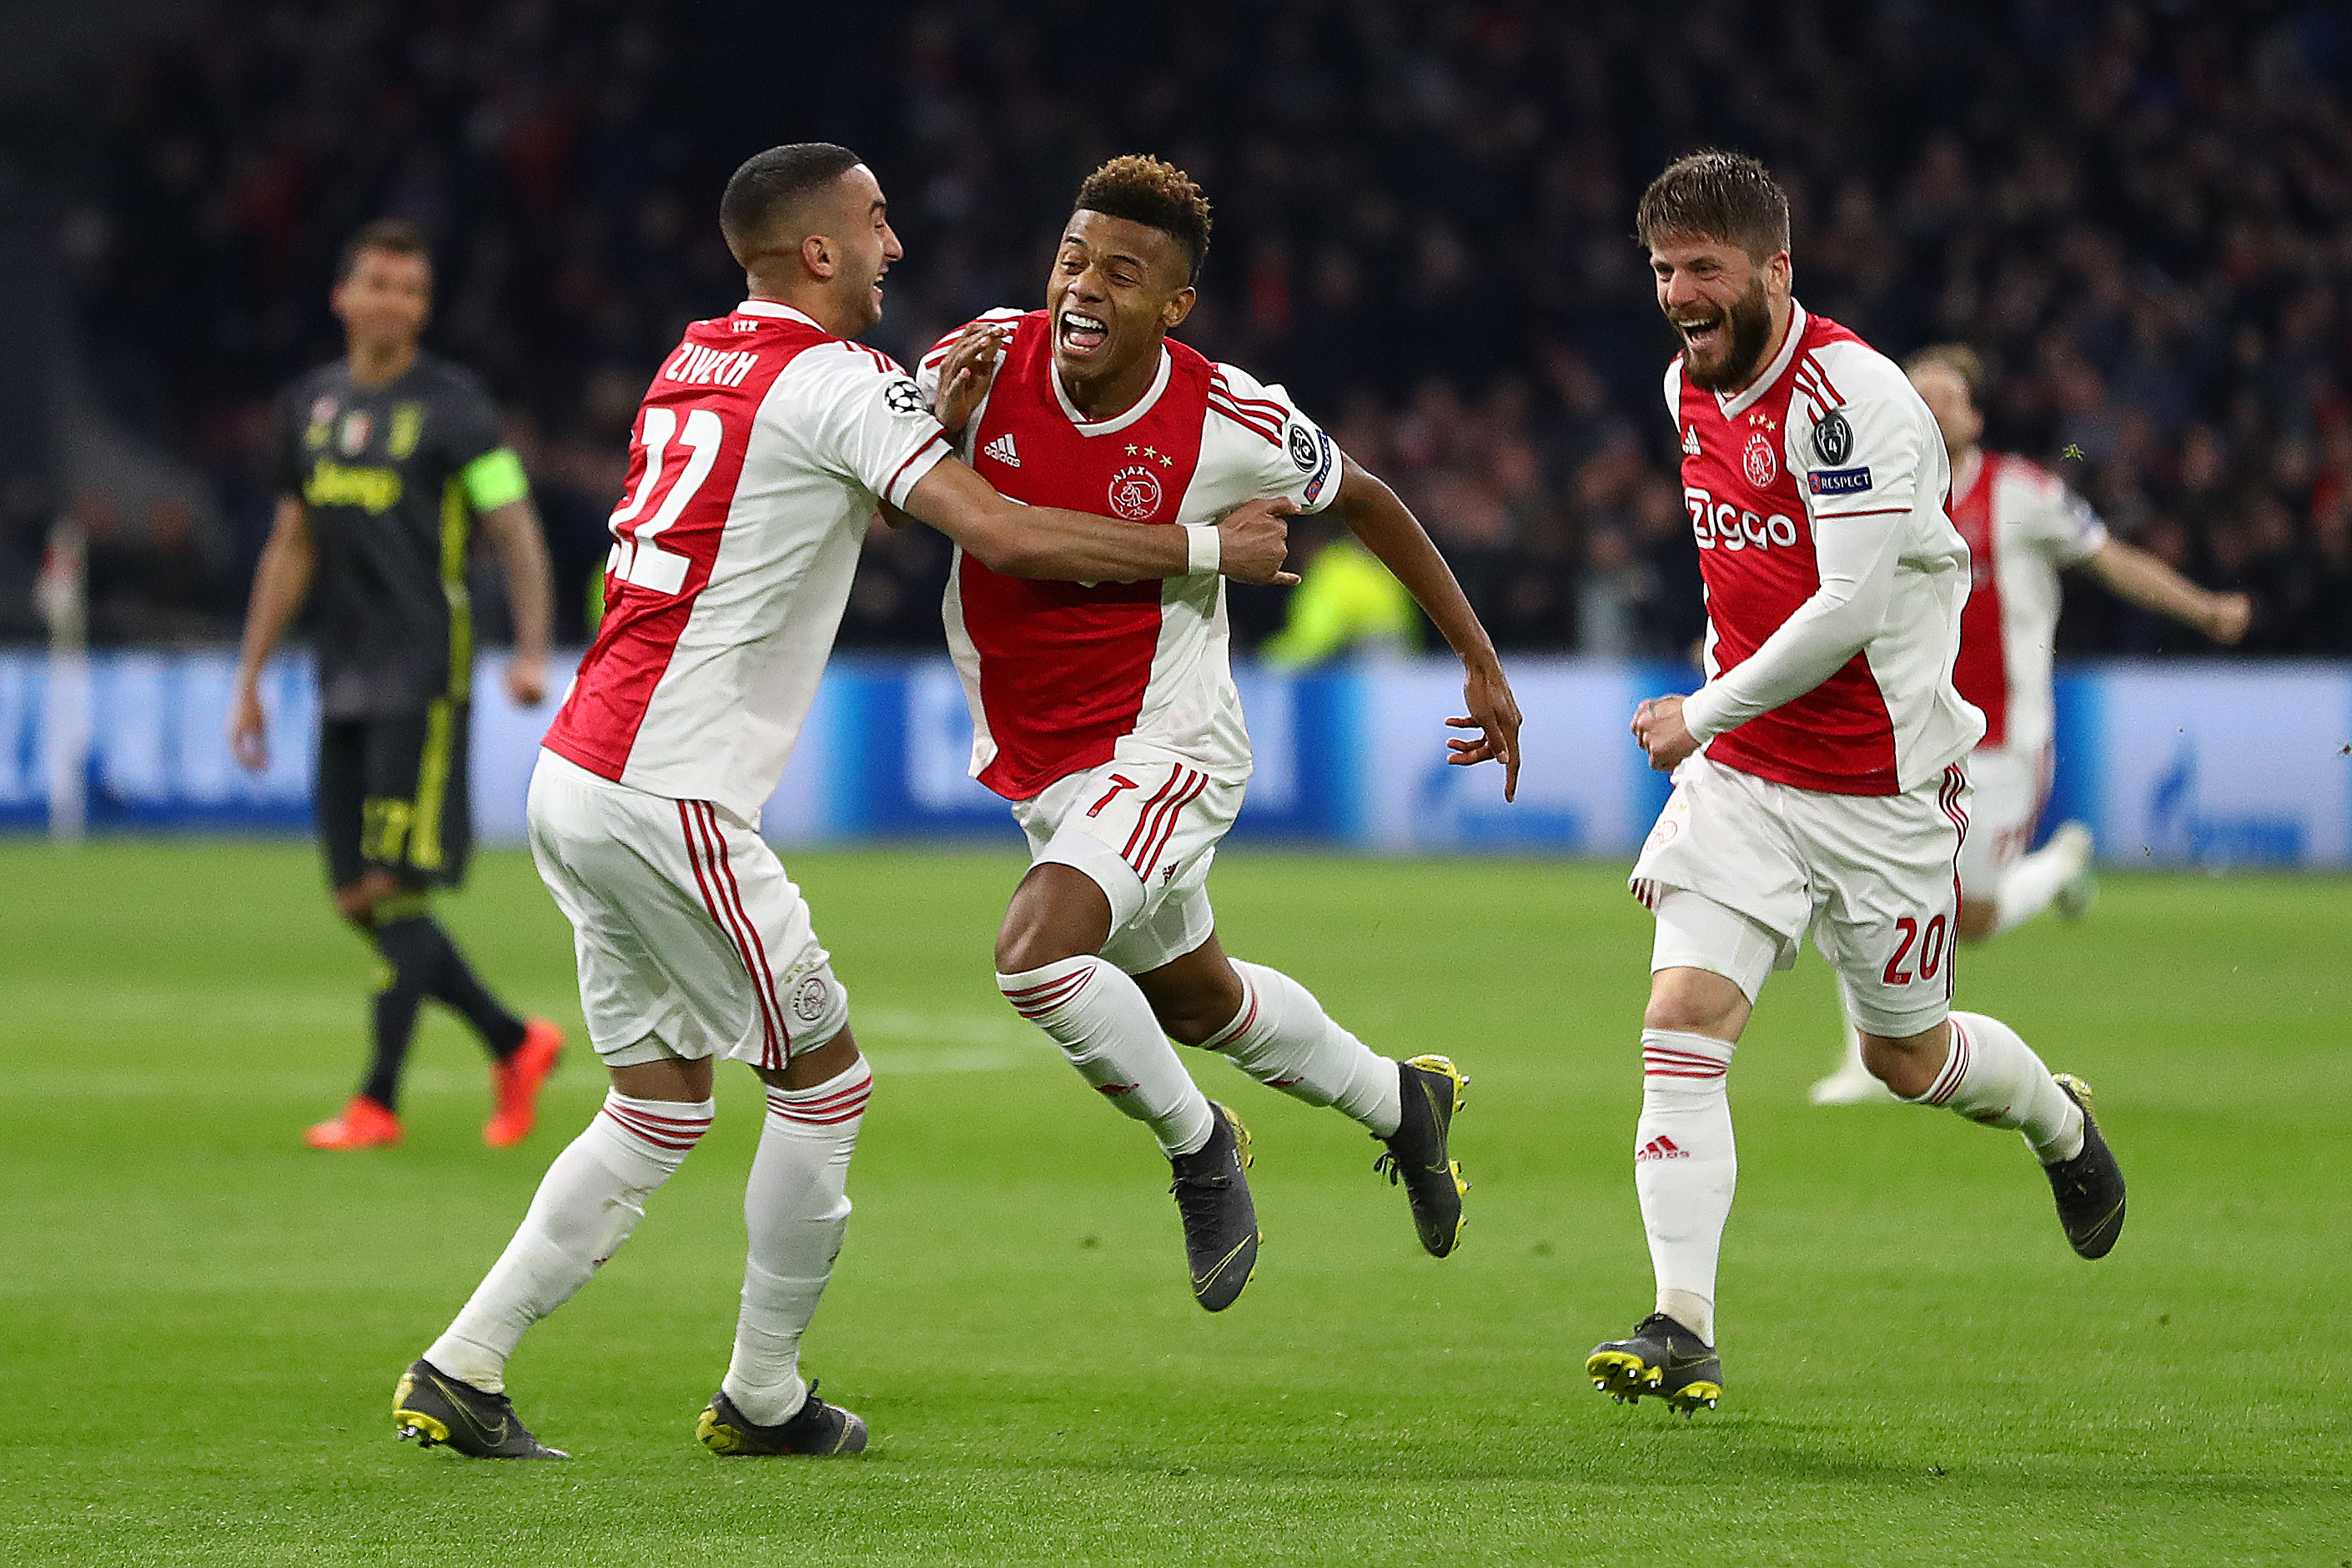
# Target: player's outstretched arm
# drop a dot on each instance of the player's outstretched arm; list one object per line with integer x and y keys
{"x": 513, "y": 532}
{"x": 1388, "y": 529}
{"x": 1080, "y": 547}
{"x": 2133, "y": 573}
{"x": 279, "y": 586}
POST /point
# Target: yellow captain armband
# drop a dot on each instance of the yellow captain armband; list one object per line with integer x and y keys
{"x": 494, "y": 478}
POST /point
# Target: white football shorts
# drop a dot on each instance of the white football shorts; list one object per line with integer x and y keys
{"x": 1873, "y": 876}
{"x": 691, "y": 941}
{"x": 2012, "y": 788}
{"x": 1145, "y": 834}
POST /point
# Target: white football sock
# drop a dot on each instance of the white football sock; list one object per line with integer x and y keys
{"x": 1100, "y": 1019}
{"x": 2027, "y": 887}
{"x": 1991, "y": 1076}
{"x": 1283, "y": 1039}
{"x": 795, "y": 1209}
{"x": 1685, "y": 1168}
{"x": 589, "y": 1200}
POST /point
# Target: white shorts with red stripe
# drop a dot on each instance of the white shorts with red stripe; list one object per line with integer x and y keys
{"x": 691, "y": 941}
{"x": 2012, "y": 788}
{"x": 1874, "y": 878}
{"x": 1145, "y": 834}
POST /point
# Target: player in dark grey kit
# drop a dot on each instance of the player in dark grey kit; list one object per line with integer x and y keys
{"x": 386, "y": 460}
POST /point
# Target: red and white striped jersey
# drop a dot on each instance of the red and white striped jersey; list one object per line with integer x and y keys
{"x": 753, "y": 470}
{"x": 1063, "y": 676}
{"x": 2023, "y": 527}
{"x": 1834, "y": 577}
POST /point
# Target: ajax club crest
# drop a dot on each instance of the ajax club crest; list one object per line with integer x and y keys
{"x": 1758, "y": 458}
{"x": 1134, "y": 493}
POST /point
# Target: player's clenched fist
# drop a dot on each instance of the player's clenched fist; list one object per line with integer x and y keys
{"x": 1256, "y": 540}
{"x": 1658, "y": 725}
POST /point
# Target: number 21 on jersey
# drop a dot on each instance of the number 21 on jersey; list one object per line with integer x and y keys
{"x": 668, "y": 486}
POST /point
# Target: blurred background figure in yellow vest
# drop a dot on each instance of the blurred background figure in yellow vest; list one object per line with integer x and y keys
{"x": 1347, "y": 605}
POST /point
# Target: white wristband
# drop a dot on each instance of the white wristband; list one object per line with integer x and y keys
{"x": 1204, "y": 550}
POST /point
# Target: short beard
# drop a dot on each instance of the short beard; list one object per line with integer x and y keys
{"x": 1750, "y": 320}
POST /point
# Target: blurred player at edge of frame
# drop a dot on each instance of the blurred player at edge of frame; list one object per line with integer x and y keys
{"x": 2022, "y": 526}
{"x": 1817, "y": 772}
{"x": 384, "y": 459}
{"x": 762, "y": 447}
{"x": 1107, "y": 713}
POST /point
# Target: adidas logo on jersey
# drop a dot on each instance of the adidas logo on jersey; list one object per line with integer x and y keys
{"x": 1002, "y": 450}
{"x": 1661, "y": 1148}
{"x": 1690, "y": 440}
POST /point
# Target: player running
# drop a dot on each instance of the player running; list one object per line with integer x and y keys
{"x": 1106, "y": 713}
{"x": 2023, "y": 527}
{"x": 757, "y": 461}
{"x": 1817, "y": 776}
{"x": 386, "y": 461}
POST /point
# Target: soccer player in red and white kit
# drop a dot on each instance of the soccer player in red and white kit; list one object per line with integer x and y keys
{"x": 2023, "y": 527}
{"x": 757, "y": 459}
{"x": 1817, "y": 776}
{"x": 1107, "y": 714}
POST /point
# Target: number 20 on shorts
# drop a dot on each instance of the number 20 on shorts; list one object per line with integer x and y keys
{"x": 1926, "y": 948}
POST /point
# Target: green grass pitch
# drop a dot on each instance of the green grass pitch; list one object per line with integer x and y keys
{"x": 204, "y": 1320}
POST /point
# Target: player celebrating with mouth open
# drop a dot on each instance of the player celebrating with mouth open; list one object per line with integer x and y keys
{"x": 762, "y": 448}
{"x": 1817, "y": 777}
{"x": 1105, "y": 712}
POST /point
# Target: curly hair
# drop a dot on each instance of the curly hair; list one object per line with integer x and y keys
{"x": 1716, "y": 195}
{"x": 1143, "y": 189}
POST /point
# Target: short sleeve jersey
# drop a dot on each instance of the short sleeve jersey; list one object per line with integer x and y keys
{"x": 377, "y": 471}
{"x": 1064, "y": 676}
{"x": 754, "y": 468}
{"x": 2023, "y": 527}
{"x": 1830, "y": 436}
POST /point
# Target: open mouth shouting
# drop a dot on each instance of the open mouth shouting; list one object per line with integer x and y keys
{"x": 1080, "y": 335}
{"x": 1702, "y": 335}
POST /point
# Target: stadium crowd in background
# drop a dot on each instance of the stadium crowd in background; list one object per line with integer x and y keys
{"x": 2142, "y": 216}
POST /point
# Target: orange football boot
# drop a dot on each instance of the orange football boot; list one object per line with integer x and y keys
{"x": 364, "y": 1124}
{"x": 516, "y": 1082}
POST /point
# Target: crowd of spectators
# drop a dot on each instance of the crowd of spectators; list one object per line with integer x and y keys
{"x": 2140, "y": 214}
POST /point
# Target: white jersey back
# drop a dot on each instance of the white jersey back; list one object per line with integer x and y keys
{"x": 753, "y": 470}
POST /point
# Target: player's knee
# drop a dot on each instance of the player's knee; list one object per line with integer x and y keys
{"x": 1197, "y": 1014}
{"x": 357, "y": 902}
{"x": 1696, "y": 1002}
{"x": 1057, "y": 913}
{"x": 1906, "y": 1064}
{"x": 1019, "y": 949}
{"x": 823, "y": 1064}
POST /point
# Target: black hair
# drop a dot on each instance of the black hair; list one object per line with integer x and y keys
{"x": 770, "y": 186}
